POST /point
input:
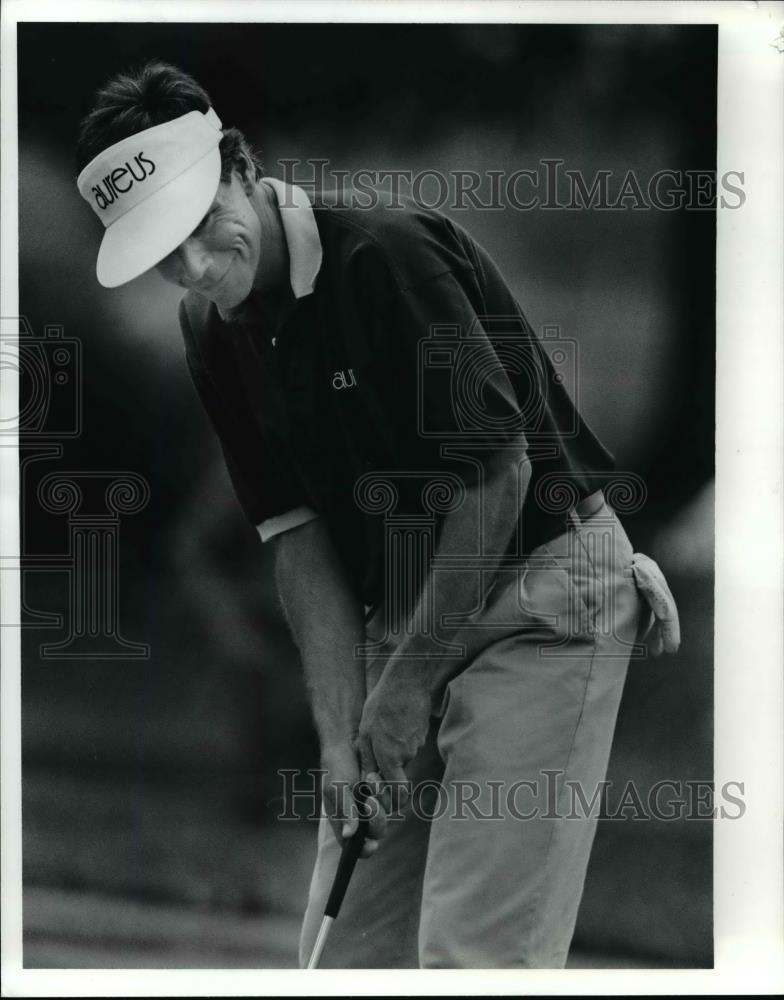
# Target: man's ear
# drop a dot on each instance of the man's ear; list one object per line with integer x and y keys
{"x": 246, "y": 173}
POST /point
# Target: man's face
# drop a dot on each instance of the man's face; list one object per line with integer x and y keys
{"x": 220, "y": 258}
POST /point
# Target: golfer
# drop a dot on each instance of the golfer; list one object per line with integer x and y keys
{"x": 464, "y": 599}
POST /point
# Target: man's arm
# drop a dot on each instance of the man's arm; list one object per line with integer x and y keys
{"x": 396, "y": 715}
{"x": 495, "y": 506}
{"x": 327, "y": 624}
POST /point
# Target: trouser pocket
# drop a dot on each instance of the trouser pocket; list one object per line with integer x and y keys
{"x": 659, "y": 623}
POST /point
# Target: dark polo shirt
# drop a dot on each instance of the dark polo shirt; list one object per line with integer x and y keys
{"x": 409, "y": 350}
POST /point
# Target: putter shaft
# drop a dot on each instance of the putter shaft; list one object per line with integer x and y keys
{"x": 321, "y": 940}
{"x": 346, "y": 865}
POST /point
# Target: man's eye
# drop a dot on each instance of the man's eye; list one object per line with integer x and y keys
{"x": 204, "y": 221}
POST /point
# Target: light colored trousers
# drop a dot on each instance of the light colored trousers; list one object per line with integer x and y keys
{"x": 495, "y": 883}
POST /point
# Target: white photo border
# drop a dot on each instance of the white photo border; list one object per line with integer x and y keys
{"x": 749, "y": 688}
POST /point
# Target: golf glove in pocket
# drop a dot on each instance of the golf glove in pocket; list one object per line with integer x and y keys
{"x": 659, "y": 625}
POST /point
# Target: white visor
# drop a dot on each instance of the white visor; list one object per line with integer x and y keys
{"x": 151, "y": 191}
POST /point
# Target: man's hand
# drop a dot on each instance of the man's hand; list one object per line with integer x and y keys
{"x": 341, "y": 768}
{"x": 394, "y": 725}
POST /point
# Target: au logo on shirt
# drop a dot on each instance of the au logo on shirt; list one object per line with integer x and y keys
{"x": 341, "y": 380}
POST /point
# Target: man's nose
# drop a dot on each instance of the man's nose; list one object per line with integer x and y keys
{"x": 193, "y": 259}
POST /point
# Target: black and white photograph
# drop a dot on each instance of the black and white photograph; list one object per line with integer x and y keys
{"x": 373, "y": 557}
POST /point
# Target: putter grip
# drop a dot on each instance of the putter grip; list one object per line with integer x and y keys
{"x": 348, "y": 858}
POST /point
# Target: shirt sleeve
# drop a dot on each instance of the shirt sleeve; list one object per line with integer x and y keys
{"x": 285, "y": 522}
{"x": 264, "y": 478}
{"x": 450, "y": 383}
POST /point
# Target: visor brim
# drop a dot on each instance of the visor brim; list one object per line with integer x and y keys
{"x": 155, "y": 227}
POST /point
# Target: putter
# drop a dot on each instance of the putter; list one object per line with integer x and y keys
{"x": 348, "y": 859}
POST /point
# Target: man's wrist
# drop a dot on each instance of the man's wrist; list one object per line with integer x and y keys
{"x": 339, "y": 740}
{"x": 405, "y": 667}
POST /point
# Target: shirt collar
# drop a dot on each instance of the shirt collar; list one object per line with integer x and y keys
{"x": 301, "y": 233}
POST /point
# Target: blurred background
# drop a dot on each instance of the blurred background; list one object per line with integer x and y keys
{"x": 150, "y": 785}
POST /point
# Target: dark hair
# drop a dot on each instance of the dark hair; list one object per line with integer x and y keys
{"x": 156, "y": 93}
